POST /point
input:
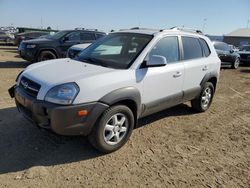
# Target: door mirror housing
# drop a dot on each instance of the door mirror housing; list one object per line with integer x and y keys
{"x": 156, "y": 61}
{"x": 65, "y": 39}
{"x": 231, "y": 51}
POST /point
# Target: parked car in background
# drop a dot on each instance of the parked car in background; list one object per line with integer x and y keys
{"x": 57, "y": 45}
{"x": 28, "y": 36}
{"x": 117, "y": 80}
{"x": 76, "y": 49}
{"x": 227, "y": 55}
{"x": 6, "y": 37}
{"x": 234, "y": 48}
{"x": 244, "y": 53}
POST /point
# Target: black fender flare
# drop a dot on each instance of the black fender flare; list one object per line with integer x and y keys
{"x": 207, "y": 77}
{"x": 126, "y": 93}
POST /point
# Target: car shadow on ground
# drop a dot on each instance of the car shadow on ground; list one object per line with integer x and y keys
{"x": 8, "y": 49}
{"x": 23, "y": 145}
{"x": 11, "y": 51}
{"x": 179, "y": 110}
{"x": 14, "y": 64}
{"x": 245, "y": 70}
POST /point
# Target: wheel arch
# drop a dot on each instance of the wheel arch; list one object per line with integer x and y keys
{"x": 128, "y": 96}
{"x": 47, "y": 49}
{"x": 210, "y": 77}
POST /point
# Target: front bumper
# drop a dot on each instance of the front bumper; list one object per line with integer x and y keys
{"x": 27, "y": 54}
{"x": 61, "y": 119}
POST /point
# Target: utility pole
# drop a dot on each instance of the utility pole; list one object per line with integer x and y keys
{"x": 41, "y": 22}
{"x": 204, "y": 25}
{"x": 247, "y": 23}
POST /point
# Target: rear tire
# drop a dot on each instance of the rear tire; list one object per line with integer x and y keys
{"x": 113, "y": 129}
{"x": 236, "y": 63}
{"x": 204, "y": 100}
{"x": 46, "y": 55}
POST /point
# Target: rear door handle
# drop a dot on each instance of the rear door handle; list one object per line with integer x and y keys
{"x": 205, "y": 68}
{"x": 177, "y": 74}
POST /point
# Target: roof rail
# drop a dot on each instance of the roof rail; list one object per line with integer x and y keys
{"x": 142, "y": 28}
{"x": 79, "y": 28}
{"x": 186, "y": 29}
{"x": 91, "y": 29}
{"x": 133, "y": 28}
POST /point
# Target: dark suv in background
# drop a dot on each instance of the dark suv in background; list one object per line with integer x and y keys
{"x": 56, "y": 46}
{"x": 226, "y": 54}
{"x": 244, "y": 53}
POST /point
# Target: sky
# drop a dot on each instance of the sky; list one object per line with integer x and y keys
{"x": 215, "y": 17}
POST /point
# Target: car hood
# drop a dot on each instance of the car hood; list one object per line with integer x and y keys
{"x": 94, "y": 80}
{"x": 38, "y": 41}
{"x": 54, "y": 72}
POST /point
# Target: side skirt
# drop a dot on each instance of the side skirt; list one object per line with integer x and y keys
{"x": 170, "y": 101}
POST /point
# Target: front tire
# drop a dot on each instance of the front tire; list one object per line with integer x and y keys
{"x": 113, "y": 129}
{"x": 236, "y": 63}
{"x": 46, "y": 55}
{"x": 204, "y": 100}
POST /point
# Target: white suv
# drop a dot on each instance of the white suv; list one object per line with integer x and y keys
{"x": 117, "y": 80}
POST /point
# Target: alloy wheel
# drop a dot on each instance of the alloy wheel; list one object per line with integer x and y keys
{"x": 115, "y": 129}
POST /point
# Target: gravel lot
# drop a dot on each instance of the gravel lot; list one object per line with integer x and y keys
{"x": 173, "y": 148}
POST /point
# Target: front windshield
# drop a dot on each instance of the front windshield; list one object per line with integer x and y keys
{"x": 117, "y": 50}
{"x": 57, "y": 35}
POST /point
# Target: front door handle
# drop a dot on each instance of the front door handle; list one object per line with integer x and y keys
{"x": 177, "y": 74}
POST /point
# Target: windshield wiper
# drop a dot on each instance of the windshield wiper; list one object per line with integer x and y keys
{"x": 95, "y": 61}
{"x": 87, "y": 60}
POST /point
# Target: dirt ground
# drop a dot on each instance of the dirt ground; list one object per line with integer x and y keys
{"x": 173, "y": 148}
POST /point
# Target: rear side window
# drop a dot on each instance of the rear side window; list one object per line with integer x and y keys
{"x": 74, "y": 36}
{"x": 245, "y": 48}
{"x": 87, "y": 36}
{"x": 221, "y": 46}
{"x": 192, "y": 48}
{"x": 167, "y": 47}
{"x": 205, "y": 47}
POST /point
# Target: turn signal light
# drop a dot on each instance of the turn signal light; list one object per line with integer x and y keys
{"x": 82, "y": 113}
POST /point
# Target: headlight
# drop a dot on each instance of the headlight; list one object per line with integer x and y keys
{"x": 63, "y": 94}
{"x": 30, "y": 46}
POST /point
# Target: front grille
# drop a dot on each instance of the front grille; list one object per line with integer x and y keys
{"x": 30, "y": 87}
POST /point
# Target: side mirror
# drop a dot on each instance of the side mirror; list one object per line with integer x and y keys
{"x": 65, "y": 39}
{"x": 156, "y": 61}
{"x": 231, "y": 51}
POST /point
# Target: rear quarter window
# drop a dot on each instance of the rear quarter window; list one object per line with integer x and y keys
{"x": 221, "y": 46}
{"x": 191, "y": 48}
{"x": 205, "y": 47}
